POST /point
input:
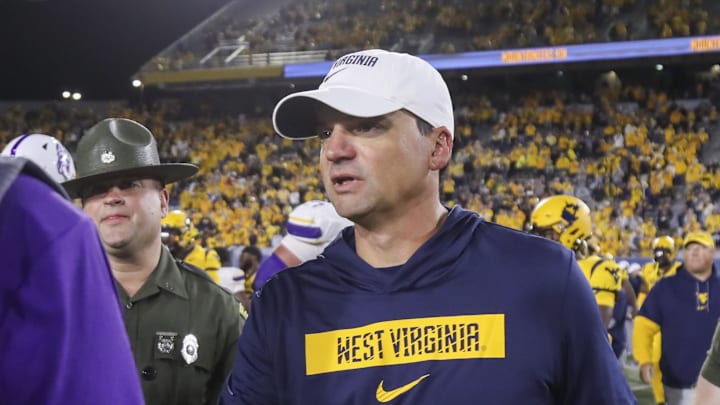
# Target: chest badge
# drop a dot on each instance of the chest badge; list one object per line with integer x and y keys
{"x": 189, "y": 348}
{"x": 165, "y": 342}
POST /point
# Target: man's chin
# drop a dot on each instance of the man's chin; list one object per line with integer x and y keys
{"x": 116, "y": 247}
{"x": 348, "y": 208}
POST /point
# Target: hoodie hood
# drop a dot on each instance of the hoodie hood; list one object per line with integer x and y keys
{"x": 430, "y": 263}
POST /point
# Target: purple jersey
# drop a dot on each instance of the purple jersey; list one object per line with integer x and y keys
{"x": 61, "y": 331}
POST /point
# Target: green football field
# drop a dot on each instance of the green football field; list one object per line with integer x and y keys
{"x": 642, "y": 391}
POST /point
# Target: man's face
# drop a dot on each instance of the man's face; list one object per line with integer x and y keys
{"x": 126, "y": 212}
{"x": 375, "y": 168}
{"x": 662, "y": 256}
{"x": 172, "y": 237}
{"x": 248, "y": 261}
{"x": 698, "y": 258}
{"x": 548, "y": 233}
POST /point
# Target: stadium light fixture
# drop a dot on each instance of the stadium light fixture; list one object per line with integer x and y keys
{"x": 66, "y": 94}
{"x": 76, "y": 96}
{"x": 136, "y": 83}
{"x": 659, "y": 67}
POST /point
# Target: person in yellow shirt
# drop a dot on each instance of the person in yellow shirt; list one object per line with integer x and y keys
{"x": 712, "y": 221}
{"x": 250, "y": 259}
{"x": 562, "y": 163}
{"x": 181, "y": 237}
{"x": 566, "y": 219}
{"x": 664, "y": 265}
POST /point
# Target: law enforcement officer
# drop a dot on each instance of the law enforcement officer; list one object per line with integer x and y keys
{"x": 183, "y": 328}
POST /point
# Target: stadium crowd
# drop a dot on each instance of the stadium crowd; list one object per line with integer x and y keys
{"x": 634, "y": 156}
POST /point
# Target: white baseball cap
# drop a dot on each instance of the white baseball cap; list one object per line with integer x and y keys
{"x": 366, "y": 84}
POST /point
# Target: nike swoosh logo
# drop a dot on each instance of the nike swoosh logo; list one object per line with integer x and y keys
{"x": 386, "y": 396}
{"x": 333, "y": 74}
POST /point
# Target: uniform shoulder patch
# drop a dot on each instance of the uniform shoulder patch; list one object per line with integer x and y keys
{"x": 243, "y": 312}
{"x": 194, "y": 269}
{"x": 197, "y": 271}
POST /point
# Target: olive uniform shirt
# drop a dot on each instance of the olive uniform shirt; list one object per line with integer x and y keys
{"x": 183, "y": 330}
{"x": 711, "y": 368}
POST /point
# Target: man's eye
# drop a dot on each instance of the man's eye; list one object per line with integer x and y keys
{"x": 365, "y": 128}
{"x": 324, "y": 134}
{"x": 130, "y": 185}
{"x": 94, "y": 190}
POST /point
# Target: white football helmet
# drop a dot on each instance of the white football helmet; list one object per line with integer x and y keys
{"x": 46, "y": 152}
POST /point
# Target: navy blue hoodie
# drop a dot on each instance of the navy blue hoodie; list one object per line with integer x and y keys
{"x": 479, "y": 314}
{"x": 687, "y": 312}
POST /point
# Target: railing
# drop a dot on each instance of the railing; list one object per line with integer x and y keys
{"x": 237, "y": 58}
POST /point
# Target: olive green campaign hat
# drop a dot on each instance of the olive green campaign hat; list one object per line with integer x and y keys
{"x": 119, "y": 147}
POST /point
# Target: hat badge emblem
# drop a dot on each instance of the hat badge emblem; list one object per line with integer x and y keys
{"x": 107, "y": 157}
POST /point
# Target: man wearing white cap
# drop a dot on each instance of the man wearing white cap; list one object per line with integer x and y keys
{"x": 416, "y": 303}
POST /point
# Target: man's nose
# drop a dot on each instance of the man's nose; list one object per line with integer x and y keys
{"x": 338, "y": 145}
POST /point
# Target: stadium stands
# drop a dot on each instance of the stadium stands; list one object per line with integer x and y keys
{"x": 240, "y": 35}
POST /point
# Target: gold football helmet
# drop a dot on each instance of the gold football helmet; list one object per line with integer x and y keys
{"x": 663, "y": 248}
{"x": 177, "y": 229}
{"x": 563, "y": 218}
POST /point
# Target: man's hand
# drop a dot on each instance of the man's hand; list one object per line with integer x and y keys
{"x": 646, "y": 373}
{"x": 633, "y": 311}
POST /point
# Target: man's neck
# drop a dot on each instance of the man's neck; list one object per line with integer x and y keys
{"x": 132, "y": 270}
{"x": 665, "y": 268}
{"x": 393, "y": 242}
{"x": 702, "y": 276}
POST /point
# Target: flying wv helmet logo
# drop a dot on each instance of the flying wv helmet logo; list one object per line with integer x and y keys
{"x": 569, "y": 213}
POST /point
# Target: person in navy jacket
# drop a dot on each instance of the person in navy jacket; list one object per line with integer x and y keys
{"x": 685, "y": 308}
{"x": 416, "y": 303}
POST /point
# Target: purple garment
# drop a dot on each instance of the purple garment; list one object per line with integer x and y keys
{"x": 268, "y": 268}
{"x": 61, "y": 332}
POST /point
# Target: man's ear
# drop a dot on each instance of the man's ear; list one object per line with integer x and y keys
{"x": 164, "y": 202}
{"x": 442, "y": 148}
